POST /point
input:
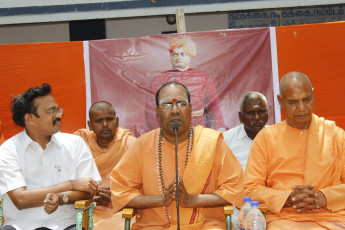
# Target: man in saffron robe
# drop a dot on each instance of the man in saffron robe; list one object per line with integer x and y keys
{"x": 108, "y": 143}
{"x": 206, "y": 108}
{"x": 210, "y": 175}
{"x": 296, "y": 167}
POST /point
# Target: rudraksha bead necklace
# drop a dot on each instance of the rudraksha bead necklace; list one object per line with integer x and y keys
{"x": 161, "y": 185}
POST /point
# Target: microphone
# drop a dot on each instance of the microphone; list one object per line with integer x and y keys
{"x": 175, "y": 128}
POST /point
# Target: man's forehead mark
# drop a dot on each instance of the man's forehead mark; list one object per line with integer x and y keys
{"x": 166, "y": 98}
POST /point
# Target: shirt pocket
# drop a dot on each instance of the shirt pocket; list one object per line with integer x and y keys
{"x": 64, "y": 173}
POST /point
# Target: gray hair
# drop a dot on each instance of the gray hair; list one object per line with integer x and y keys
{"x": 251, "y": 95}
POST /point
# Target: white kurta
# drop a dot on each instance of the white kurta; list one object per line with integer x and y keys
{"x": 239, "y": 143}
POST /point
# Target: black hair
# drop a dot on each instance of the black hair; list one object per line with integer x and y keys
{"x": 23, "y": 103}
{"x": 171, "y": 83}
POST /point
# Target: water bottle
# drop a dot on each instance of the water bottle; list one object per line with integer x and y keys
{"x": 255, "y": 220}
{"x": 243, "y": 212}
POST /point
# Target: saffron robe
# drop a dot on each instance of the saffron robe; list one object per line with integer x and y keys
{"x": 106, "y": 161}
{"x": 282, "y": 156}
{"x": 211, "y": 168}
{"x": 204, "y": 98}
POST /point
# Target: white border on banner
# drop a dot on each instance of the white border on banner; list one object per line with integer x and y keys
{"x": 87, "y": 78}
{"x": 275, "y": 74}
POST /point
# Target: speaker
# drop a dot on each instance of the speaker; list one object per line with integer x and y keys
{"x": 87, "y": 30}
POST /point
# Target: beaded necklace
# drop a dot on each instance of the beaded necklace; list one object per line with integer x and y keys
{"x": 161, "y": 185}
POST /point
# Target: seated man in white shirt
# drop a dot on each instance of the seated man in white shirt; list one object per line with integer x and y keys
{"x": 42, "y": 171}
{"x": 254, "y": 115}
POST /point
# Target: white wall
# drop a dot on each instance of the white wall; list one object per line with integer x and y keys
{"x": 137, "y": 27}
{"x": 41, "y": 11}
{"x": 115, "y": 28}
{"x": 126, "y": 28}
{"x": 31, "y": 33}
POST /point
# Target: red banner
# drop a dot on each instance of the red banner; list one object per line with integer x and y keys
{"x": 223, "y": 65}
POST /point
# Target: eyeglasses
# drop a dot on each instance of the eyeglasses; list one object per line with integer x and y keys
{"x": 55, "y": 112}
{"x": 169, "y": 106}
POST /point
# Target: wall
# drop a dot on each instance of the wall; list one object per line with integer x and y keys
{"x": 115, "y": 28}
{"x": 126, "y": 28}
{"x": 40, "y": 11}
{"x": 31, "y": 33}
{"x": 141, "y": 26}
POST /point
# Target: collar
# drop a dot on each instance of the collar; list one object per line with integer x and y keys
{"x": 242, "y": 133}
{"x": 179, "y": 69}
{"x": 296, "y": 129}
{"x": 26, "y": 139}
{"x": 55, "y": 138}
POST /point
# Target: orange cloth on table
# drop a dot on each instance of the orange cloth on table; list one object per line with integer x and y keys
{"x": 211, "y": 165}
{"x": 282, "y": 156}
{"x": 106, "y": 161}
{"x": 306, "y": 225}
{"x": 2, "y": 139}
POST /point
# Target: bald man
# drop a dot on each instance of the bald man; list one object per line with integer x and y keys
{"x": 296, "y": 167}
{"x": 108, "y": 143}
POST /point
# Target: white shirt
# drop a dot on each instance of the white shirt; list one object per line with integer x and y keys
{"x": 23, "y": 162}
{"x": 239, "y": 143}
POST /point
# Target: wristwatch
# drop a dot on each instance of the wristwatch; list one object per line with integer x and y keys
{"x": 64, "y": 198}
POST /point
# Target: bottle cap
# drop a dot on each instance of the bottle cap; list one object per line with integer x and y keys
{"x": 254, "y": 204}
{"x": 247, "y": 199}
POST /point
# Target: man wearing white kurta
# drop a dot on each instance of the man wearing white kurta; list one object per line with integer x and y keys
{"x": 253, "y": 115}
{"x": 42, "y": 171}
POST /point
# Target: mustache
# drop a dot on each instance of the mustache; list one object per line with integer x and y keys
{"x": 106, "y": 129}
{"x": 55, "y": 120}
{"x": 257, "y": 122}
{"x": 177, "y": 116}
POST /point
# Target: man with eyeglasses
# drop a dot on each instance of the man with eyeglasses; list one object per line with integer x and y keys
{"x": 210, "y": 175}
{"x": 42, "y": 171}
{"x": 254, "y": 115}
{"x": 108, "y": 143}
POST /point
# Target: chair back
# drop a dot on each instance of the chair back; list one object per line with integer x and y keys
{"x": 1, "y": 212}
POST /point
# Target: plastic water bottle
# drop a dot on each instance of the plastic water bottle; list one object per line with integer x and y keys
{"x": 243, "y": 212}
{"x": 255, "y": 220}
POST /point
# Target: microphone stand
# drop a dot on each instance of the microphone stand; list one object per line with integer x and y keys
{"x": 175, "y": 127}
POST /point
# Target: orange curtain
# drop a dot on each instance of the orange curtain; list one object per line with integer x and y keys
{"x": 317, "y": 50}
{"x": 61, "y": 64}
